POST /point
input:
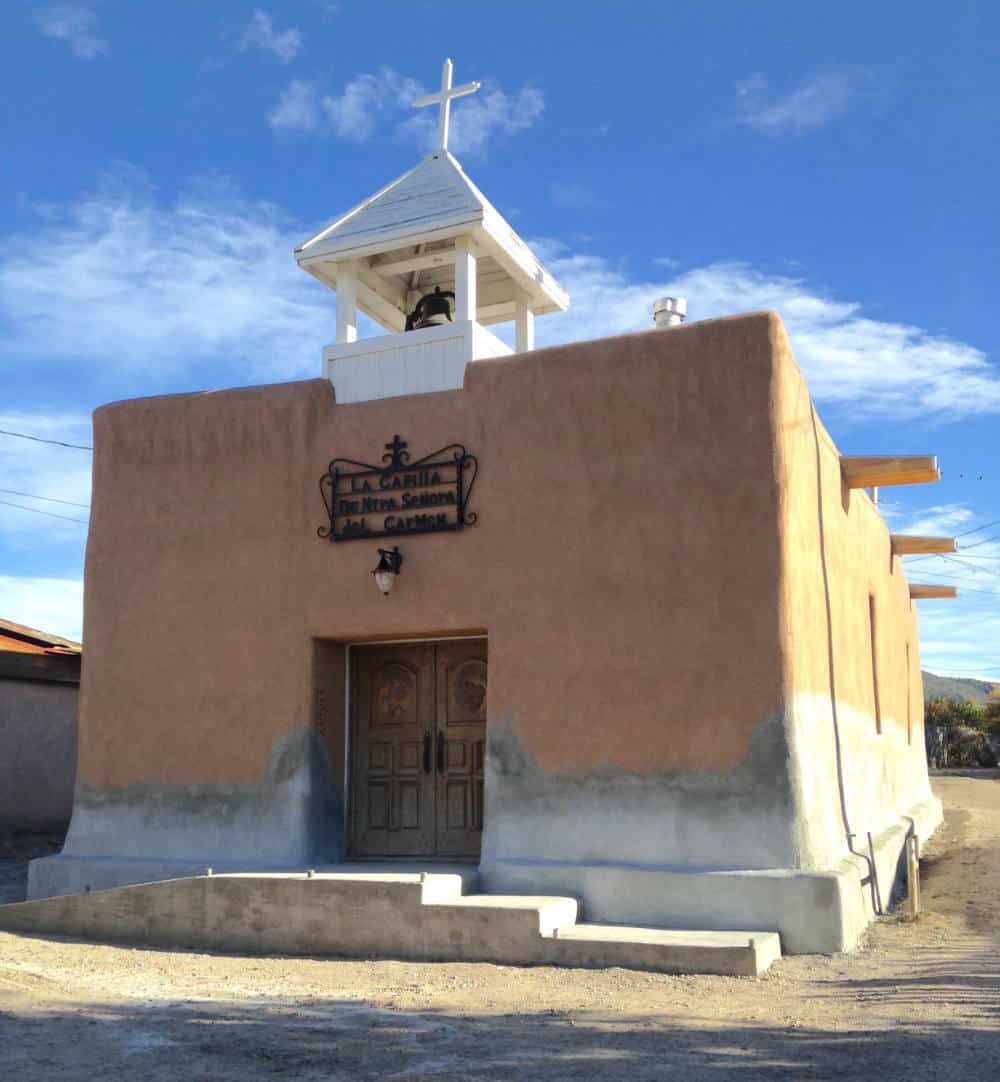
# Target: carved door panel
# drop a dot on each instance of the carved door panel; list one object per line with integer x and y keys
{"x": 461, "y": 731}
{"x": 392, "y": 757}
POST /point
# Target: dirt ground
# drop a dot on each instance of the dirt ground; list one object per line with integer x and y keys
{"x": 921, "y": 1001}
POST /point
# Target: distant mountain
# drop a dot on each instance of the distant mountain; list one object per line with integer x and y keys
{"x": 954, "y": 687}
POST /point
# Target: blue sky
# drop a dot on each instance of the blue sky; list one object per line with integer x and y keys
{"x": 834, "y": 162}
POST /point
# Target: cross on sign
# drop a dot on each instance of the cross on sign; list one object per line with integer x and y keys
{"x": 397, "y": 456}
{"x": 443, "y": 97}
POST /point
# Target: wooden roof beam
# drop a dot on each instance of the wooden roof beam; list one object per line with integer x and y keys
{"x": 910, "y": 545}
{"x": 919, "y": 590}
{"x": 419, "y": 261}
{"x": 861, "y": 471}
{"x": 380, "y": 309}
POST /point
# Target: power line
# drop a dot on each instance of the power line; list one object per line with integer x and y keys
{"x": 40, "y": 439}
{"x": 985, "y": 541}
{"x": 967, "y": 548}
{"x": 962, "y": 576}
{"x": 960, "y": 554}
{"x": 49, "y": 499}
{"x": 971, "y": 568}
{"x": 967, "y": 570}
{"x": 50, "y": 514}
{"x": 967, "y": 561}
{"x": 964, "y": 569}
{"x": 978, "y": 529}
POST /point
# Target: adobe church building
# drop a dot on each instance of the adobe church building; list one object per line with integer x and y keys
{"x": 638, "y": 639}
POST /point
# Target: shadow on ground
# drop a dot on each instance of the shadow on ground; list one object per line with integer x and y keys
{"x": 977, "y": 773}
{"x": 17, "y": 848}
{"x": 936, "y": 980}
{"x": 343, "y": 1039}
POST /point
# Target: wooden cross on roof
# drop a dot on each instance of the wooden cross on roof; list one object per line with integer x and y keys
{"x": 443, "y": 97}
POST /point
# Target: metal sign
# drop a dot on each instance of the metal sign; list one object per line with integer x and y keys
{"x": 399, "y": 497}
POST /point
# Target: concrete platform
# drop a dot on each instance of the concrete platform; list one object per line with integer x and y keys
{"x": 727, "y": 953}
{"x": 66, "y": 873}
{"x": 380, "y": 911}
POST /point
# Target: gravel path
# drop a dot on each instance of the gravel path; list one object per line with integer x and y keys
{"x": 921, "y": 1001}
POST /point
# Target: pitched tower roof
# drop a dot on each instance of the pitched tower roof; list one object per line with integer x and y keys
{"x": 410, "y": 226}
{"x": 434, "y": 195}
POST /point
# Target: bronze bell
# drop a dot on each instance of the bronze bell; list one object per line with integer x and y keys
{"x": 432, "y": 310}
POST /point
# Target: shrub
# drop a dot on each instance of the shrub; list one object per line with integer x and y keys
{"x": 969, "y": 747}
{"x": 951, "y": 712}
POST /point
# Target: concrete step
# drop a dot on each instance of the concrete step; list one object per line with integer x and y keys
{"x": 380, "y": 912}
{"x": 547, "y": 913}
{"x": 665, "y": 950}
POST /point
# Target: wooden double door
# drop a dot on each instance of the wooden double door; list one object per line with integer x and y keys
{"x": 418, "y": 729}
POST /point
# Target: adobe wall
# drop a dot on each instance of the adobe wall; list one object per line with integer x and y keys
{"x": 38, "y": 725}
{"x": 626, "y": 567}
{"x": 858, "y": 769}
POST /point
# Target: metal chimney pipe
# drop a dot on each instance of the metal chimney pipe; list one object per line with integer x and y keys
{"x": 669, "y": 311}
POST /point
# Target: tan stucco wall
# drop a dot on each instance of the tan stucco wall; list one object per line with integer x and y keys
{"x": 837, "y": 555}
{"x": 627, "y": 548}
{"x": 626, "y": 568}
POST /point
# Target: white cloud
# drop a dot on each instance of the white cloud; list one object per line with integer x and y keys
{"x": 75, "y": 25}
{"x": 881, "y": 367}
{"x": 373, "y": 98}
{"x": 943, "y": 520}
{"x": 477, "y": 119}
{"x": 353, "y": 113}
{"x": 809, "y": 106}
{"x": 46, "y": 604}
{"x": 260, "y": 34}
{"x": 297, "y": 108}
{"x": 121, "y": 280}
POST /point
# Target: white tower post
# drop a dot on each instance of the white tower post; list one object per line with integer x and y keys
{"x": 347, "y": 303}
{"x": 465, "y": 280}
{"x": 524, "y": 335}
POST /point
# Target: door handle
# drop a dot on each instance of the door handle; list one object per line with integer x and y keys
{"x": 441, "y": 746}
{"x": 427, "y": 752}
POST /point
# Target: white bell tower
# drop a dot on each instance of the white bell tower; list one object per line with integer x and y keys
{"x": 430, "y": 229}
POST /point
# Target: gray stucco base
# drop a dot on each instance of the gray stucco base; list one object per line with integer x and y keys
{"x": 814, "y": 911}
{"x": 823, "y": 911}
{"x": 292, "y": 817}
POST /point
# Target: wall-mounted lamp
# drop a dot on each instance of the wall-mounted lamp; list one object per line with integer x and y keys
{"x": 389, "y": 563}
